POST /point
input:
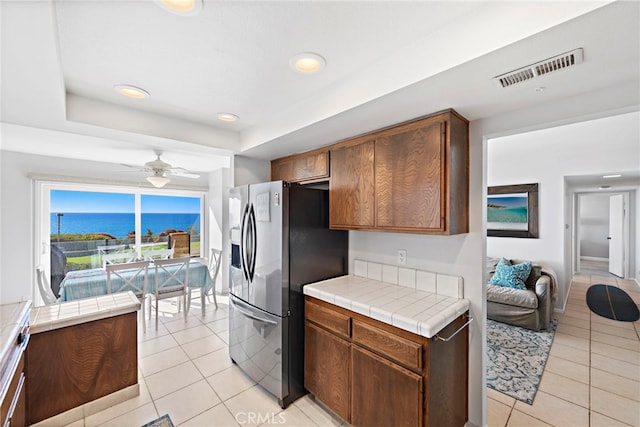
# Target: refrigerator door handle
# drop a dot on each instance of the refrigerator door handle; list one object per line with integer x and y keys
{"x": 254, "y": 242}
{"x": 243, "y": 242}
{"x": 250, "y": 315}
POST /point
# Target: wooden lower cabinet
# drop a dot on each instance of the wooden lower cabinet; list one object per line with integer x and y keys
{"x": 326, "y": 375}
{"x": 377, "y": 382}
{"x": 13, "y": 407}
{"x": 374, "y": 374}
{"x": 70, "y": 366}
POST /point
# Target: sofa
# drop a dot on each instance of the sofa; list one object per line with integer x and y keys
{"x": 530, "y": 308}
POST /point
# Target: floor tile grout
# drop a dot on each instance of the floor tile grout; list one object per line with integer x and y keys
{"x": 579, "y": 289}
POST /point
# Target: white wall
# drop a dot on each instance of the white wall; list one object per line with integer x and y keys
{"x": 219, "y": 183}
{"x": 247, "y": 170}
{"x": 546, "y": 156}
{"x": 593, "y": 225}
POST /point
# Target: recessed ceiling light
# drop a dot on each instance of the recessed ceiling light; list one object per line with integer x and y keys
{"x": 540, "y": 89}
{"x": 182, "y": 7}
{"x": 131, "y": 91}
{"x": 612, "y": 176}
{"x": 307, "y": 63}
{"x": 227, "y": 117}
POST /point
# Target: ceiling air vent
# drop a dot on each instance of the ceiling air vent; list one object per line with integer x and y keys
{"x": 558, "y": 62}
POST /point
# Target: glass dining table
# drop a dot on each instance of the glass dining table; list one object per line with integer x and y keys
{"x": 93, "y": 282}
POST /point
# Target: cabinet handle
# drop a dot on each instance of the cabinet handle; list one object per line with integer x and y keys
{"x": 456, "y": 332}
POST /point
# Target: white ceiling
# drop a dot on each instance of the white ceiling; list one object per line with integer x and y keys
{"x": 387, "y": 61}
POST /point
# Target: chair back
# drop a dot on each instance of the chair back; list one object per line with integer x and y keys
{"x": 131, "y": 276}
{"x": 171, "y": 274}
{"x": 158, "y": 254}
{"x": 214, "y": 264}
{"x": 118, "y": 258}
{"x": 45, "y": 289}
{"x": 180, "y": 242}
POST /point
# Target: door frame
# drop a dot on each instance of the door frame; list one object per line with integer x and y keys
{"x": 575, "y": 253}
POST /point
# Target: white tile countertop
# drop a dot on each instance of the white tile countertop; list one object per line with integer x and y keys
{"x": 55, "y": 316}
{"x": 421, "y": 312}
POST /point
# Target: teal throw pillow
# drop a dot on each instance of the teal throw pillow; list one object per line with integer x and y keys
{"x": 511, "y": 276}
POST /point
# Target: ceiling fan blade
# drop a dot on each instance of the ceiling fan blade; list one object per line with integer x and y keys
{"x": 183, "y": 173}
{"x": 141, "y": 168}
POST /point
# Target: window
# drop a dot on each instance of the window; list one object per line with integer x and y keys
{"x": 81, "y": 223}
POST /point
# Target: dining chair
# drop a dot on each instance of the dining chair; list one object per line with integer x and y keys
{"x": 213, "y": 267}
{"x": 171, "y": 280}
{"x": 130, "y": 276}
{"x": 118, "y": 258}
{"x": 214, "y": 270}
{"x": 158, "y": 254}
{"x": 45, "y": 289}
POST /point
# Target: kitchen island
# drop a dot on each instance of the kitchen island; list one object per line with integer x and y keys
{"x": 380, "y": 354}
{"x": 82, "y": 357}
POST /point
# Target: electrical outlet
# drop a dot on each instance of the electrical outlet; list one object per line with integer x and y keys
{"x": 402, "y": 257}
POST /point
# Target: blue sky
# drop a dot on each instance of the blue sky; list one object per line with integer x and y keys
{"x": 507, "y": 201}
{"x": 87, "y": 201}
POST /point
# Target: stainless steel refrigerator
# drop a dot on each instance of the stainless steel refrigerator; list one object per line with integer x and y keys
{"x": 280, "y": 241}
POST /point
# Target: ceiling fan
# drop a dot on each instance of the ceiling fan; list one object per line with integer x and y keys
{"x": 161, "y": 170}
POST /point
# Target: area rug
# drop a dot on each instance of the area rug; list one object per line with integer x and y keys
{"x": 612, "y": 302}
{"x": 516, "y": 358}
{"x": 163, "y": 421}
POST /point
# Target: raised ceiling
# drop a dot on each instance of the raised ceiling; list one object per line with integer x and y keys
{"x": 387, "y": 61}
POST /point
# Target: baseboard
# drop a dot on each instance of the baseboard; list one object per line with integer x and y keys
{"x": 593, "y": 258}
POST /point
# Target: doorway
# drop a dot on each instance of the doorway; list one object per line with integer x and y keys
{"x": 602, "y": 225}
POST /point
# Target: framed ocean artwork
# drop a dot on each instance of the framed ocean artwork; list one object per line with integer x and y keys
{"x": 512, "y": 211}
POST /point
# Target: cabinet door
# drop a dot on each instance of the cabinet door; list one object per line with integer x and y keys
{"x": 409, "y": 168}
{"x": 383, "y": 393}
{"x": 326, "y": 368}
{"x": 301, "y": 168}
{"x": 351, "y": 190}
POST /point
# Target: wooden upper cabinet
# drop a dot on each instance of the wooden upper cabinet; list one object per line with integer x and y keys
{"x": 305, "y": 167}
{"x": 409, "y": 167}
{"x": 351, "y": 188}
{"x": 421, "y": 178}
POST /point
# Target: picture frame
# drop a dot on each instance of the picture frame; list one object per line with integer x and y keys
{"x": 512, "y": 211}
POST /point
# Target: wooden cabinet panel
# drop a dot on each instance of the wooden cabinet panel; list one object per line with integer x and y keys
{"x": 403, "y": 351}
{"x": 330, "y": 319}
{"x": 301, "y": 167}
{"x": 409, "y": 168}
{"x": 351, "y": 189}
{"x": 396, "y": 377}
{"x": 71, "y": 366}
{"x": 326, "y": 368}
{"x": 383, "y": 393}
{"x": 15, "y": 392}
{"x": 416, "y": 180}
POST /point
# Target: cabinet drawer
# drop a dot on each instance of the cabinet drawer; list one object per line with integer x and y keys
{"x": 15, "y": 380}
{"x": 337, "y": 323}
{"x": 401, "y": 350}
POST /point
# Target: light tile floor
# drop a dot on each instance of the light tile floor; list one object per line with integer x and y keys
{"x": 592, "y": 377}
{"x": 185, "y": 371}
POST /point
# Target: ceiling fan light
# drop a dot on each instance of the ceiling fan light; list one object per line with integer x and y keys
{"x": 158, "y": 181}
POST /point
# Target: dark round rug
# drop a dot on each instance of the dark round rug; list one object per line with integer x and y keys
{"x": 612, "y": 302}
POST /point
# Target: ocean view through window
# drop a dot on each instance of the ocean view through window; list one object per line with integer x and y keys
{"x": 83, "y": 226}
